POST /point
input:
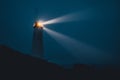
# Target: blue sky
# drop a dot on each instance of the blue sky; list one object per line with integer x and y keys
{"x": 99, "y": 30}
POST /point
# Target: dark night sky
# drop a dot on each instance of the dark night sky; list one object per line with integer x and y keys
{"x": 101, "y": 30}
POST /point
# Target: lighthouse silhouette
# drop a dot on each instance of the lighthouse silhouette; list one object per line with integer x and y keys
{"x": 37, "y": 44}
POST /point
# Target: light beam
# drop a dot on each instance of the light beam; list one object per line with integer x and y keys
{"x": 78, "y": 49}
{"x": 77, "y": 16}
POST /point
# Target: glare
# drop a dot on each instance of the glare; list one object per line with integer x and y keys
{"x": 83, "y": 52}
{"x": 80, "y": 50}
{"x": 65, "y": 18}
{"x": 38, "y": 24}
{"x": 76, "y": 16}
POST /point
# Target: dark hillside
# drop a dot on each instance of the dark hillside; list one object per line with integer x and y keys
{"x": 14, "y": 64}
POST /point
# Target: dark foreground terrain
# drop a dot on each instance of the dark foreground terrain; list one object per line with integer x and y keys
{"x": 15, "y": 65}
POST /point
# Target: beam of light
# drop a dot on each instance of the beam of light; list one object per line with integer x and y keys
{"x": 70, "y": 17}
{"x": 78, "y": 49}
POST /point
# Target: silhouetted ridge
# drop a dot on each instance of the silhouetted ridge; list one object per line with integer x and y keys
{"x": 19, "y": 64}
{"x": 15, "y": 56}
{"x": 16, "y": 64}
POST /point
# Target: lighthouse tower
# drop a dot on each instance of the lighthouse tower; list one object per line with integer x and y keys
{"x": 37, "y": 44}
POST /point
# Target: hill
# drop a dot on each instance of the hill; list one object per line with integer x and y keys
{"x": 16, "y": 65}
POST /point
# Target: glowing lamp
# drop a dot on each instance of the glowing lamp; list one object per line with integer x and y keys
{"x": 38, "y": 24}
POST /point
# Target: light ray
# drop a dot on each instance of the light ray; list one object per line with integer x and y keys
{"x": 83, "y": 15}
{"x": 78, "y": 49}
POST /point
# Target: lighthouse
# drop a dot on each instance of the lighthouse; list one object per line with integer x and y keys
{"x": 37, "y": 44}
